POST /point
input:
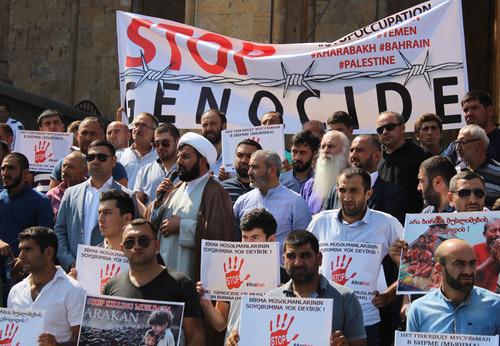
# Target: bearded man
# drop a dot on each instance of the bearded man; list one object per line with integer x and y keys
{"x": 457, "y": 307}
{"x": 333, "y": 159}
{"x": 197, "y": 208}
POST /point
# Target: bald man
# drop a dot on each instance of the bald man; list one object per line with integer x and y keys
{"x": 118, "y": 134}
{"x": 457, "y": 307}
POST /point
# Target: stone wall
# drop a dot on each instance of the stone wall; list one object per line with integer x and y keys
{"x": 66, "y": 49}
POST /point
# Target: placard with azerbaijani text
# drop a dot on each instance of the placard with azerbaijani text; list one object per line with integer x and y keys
{"x": 285, "y": 321}
{"x": 20, "y": 327}
{"x": 95, "y": 266}
{"x": 269, "y": 137}
{"x": 425, "y": 232}
{"x": 43, "y": 149}
{"x": 230, "y": 270}
{"x": 352, "y": 264}
{"x": 407, "y": 338}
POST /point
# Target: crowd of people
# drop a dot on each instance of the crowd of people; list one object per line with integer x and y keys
{"x": 154, "y": 194}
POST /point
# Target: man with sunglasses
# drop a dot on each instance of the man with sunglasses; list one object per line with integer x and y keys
{"x": 147, "y": 279}
{"x": 141, "y": 152}
{"x": 77, "y": 220}
{"x": 401, "y": 158}
{"x": 90, "y": 129}
{"x": 151, "y": 175}
{"x": 471, "y": 145}
{"x": 467, "y": 192}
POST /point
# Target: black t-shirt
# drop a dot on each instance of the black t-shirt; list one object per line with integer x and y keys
{"x": 169, "y": 285}
{"x": 401, "y": 167}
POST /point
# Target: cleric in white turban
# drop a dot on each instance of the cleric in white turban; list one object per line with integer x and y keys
{"x": 201, "y": 144}
{"x": 197, "y": 208}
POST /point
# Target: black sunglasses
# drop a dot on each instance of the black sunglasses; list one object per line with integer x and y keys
{"x": 388, "y": 127}
{"x": 100, "y": 157}
{"x": 164, "y": 143}
{"x": 143, "y": 242}
{"x": 479, "y": 193}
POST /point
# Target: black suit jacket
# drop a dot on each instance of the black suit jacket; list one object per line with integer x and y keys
{"x": 387, "y": 197}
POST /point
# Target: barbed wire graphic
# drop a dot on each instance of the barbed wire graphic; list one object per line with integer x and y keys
{"x": 293, "y": 79}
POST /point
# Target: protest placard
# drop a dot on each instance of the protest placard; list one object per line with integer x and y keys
{"x": 43, "y": 149}
{"x": 285, "y": 321}
{"x": 352, "y": 264}
{"x": 269, "y": 137}
{"x": 411, "y": 62}
{"x": 95, "y": 266}
{"x": 20, "y": 327}
{"x": 407, "y": 338}
{"x": 128, "y": 322}
{"x": 424, "y": 233}
{"x": 230, "y": 270}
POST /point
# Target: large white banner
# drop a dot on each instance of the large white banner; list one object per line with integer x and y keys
{"x": 412, "y": 62}
{"x": 406, "y": 338}
{"x": 232, "y": 269}
{"x": 285, "y": 321}
{"x": 95, "y": 266}
{"x": 43, "y": 149}
{"x": 269, "y": 137}
{"x": 20, "y": 327}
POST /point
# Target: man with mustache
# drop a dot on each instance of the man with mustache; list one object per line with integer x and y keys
{"x": 471, "y": 145}
{"x": 213, "y": 122}
{"x": 365, "y": 152}
{"x": 488, "y": 256}
{"x": 457, "y": 307}
{"x": 240, "y": 184}
{"x": 141, "y": 152}
{"x": 332, "y": 159}
{"x": 198, "y": 208}
{"x": 305, "y": 146}
{"x": 355, "y": 222}
{"x": 287, "y": 207}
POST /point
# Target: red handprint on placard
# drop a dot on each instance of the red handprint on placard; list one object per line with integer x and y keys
{"x": 279, "y": 335}
{"x": 41, "y": 152}
{"x": 233, "y": 279}
{"x": 110, "y": 271}
{"x": 7, "y": 337}
{"x": 339, "y": 271}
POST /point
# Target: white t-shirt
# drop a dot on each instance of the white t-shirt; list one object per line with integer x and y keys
{"x": 62, "y": 299}
{"x": 375, "y": 227}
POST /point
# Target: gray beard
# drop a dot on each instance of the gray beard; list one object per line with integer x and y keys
{"x": 326, "y": 173}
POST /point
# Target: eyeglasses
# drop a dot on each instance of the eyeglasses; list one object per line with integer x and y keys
{"x": 164, "y": 143}
{"x": 479, "y": 193}
{"x": 388, "y": 127}
{"x": 100, "y": 157}
{"x": 143, "y": 242}
{"x": 458, "y": 143}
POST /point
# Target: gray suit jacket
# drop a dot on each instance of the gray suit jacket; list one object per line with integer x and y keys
{"x": 69, "y": 223}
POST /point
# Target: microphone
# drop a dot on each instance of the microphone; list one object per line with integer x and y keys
{"x": 171, "y": 176}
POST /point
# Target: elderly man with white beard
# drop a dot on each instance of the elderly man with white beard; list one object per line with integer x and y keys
{"x": 333, "y": 159}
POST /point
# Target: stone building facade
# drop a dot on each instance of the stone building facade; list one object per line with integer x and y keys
{"x": 65, "y": 50}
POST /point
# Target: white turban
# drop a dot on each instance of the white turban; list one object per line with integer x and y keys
{"x": 201, "y": 144}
